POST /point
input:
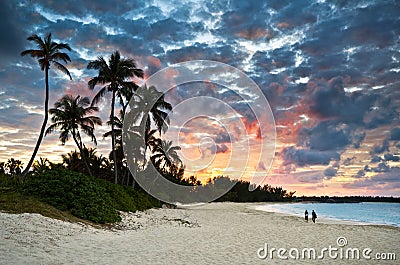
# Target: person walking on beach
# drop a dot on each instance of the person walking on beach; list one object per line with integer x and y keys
{"x": 306, "y": 216}
{"x": 313, "y": 216}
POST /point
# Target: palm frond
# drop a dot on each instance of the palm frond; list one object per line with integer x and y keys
{"x": 33, "y": 53}
{"x": 62, "y": 68}
{"x": 61, "y": 56}
{"x": 99, "y": 95}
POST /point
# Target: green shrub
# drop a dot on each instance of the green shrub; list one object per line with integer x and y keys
{"x": 84, "y": 196}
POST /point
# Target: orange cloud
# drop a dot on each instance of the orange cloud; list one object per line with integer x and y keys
{"x": 283, "y": 25}
{"x": 254, "y": 34}
{"x": 154, "y": 61}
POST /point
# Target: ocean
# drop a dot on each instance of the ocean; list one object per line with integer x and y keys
{"x": 364, "y": 212}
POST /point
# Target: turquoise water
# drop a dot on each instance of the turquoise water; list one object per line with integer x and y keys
{"x": 367, "y": 212}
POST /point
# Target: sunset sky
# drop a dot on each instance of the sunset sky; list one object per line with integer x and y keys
{"x": 330, "y": 71}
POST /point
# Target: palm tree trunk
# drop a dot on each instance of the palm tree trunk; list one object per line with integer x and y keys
{"x": 80, "y": 147}
{"x": 113, "y": 139}
{"x": 144, "y": 156}
{"x": 134, "y": 174}
{"x": 46, "y": 117}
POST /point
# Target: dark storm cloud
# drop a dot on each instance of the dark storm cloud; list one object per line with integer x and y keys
{"x": 12, "y": 40}
{"x": 371, "y": 60}
{"x": 326, "y": 136}
{"x": 384, "y": 112}
{"x": 170, "y": 30}
{"x": 360, "y": 174}
{"x": 376, "y": 159}
{"x": 376, "y": 24}
{"x": 382, "y": 167}
{"x": 222, "y": 148}
{"x": 83, "y": 8}
{"x": 391, "y": 157}
{"x": 225, "y": 53}
{"x": 385, "y": 180}
{"x": 368, "y": 30}
{"x": 357, "y": 139}
{"x": 330, "y": 135}
{"x": 277, "y": 58}
{"x": 395, "y": 134}
{"x": 223, "y": 138}
{"x": 326, "y": 32}
{"x": 294, "y": 13}
{"x": 329, "y": 100}
{"x": 245, "y": 19}
{"x": 302, "y": 157}
{"x": 16, "y": 116}
{"x": 330, "y": 172}
{"x": 379, "y": 149}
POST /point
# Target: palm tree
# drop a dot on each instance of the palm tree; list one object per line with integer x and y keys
{"x": 41, "y": 165}
{"x": 71, "y": 114}
{"x": 165, "y": 154}
{"x": 153, "y": 103}
{"x": 14, "y": 166}
{"x": 114, "y": 75}
{"x": 150, "y": 141}
{"x": 99, "y": 164}
{"x": 48, "y": 53}
{"x": 118, "y": 124}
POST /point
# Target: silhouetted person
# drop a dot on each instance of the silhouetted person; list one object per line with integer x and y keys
{"x": 313, "y": 216}
{"x": 306, "y": 216}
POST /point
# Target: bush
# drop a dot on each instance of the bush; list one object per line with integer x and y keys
{"x": 84, "y": 196}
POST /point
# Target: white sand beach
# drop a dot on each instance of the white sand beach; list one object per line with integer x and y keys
{"x": 215, "y": 233}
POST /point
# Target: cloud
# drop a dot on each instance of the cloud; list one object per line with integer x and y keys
{"x": 379, "y": 149}
{"x": 376, "y": 159}
{"x": 11, "y": 42}
{"x": 328, "y": 99}
{"x": 360, "y": 174}
{"x": 390, "y": 157}
{"x": 171, "y": 30}
{"x": 382, "y": 167}
{"x": 310, "y": 177}
{"x": 326, "y": 136}
{"x": 387, "y": 180}
{"x": 348, "y": 161}
{"x": 223, "y": 137}
{"x": 222, "y": 148}
{"x": 302, "y": 157}
{"x": 330, "y": 172}
{"x": 395, "y": 134}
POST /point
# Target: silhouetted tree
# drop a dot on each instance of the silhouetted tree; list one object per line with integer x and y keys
{"x": 14, "y": 167}
{"x": 165, "y": 155}
{"x": 115, "y": 76}
{"x": 70, "y": 115}
{"x": 48, "y": 53}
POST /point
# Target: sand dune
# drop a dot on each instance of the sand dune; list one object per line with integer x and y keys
{"x": 216, "y": 233}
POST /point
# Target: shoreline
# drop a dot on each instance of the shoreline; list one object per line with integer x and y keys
{"x": 324, "y": 219}
{"x": 214, "y": 233}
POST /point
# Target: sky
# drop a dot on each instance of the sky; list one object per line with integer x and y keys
{"x": 330, "y": 71}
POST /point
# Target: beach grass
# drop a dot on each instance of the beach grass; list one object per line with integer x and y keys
{"x": 11, "y": 201}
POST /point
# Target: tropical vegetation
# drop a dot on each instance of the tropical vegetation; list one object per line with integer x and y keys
{"x": 95, "y": 187}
